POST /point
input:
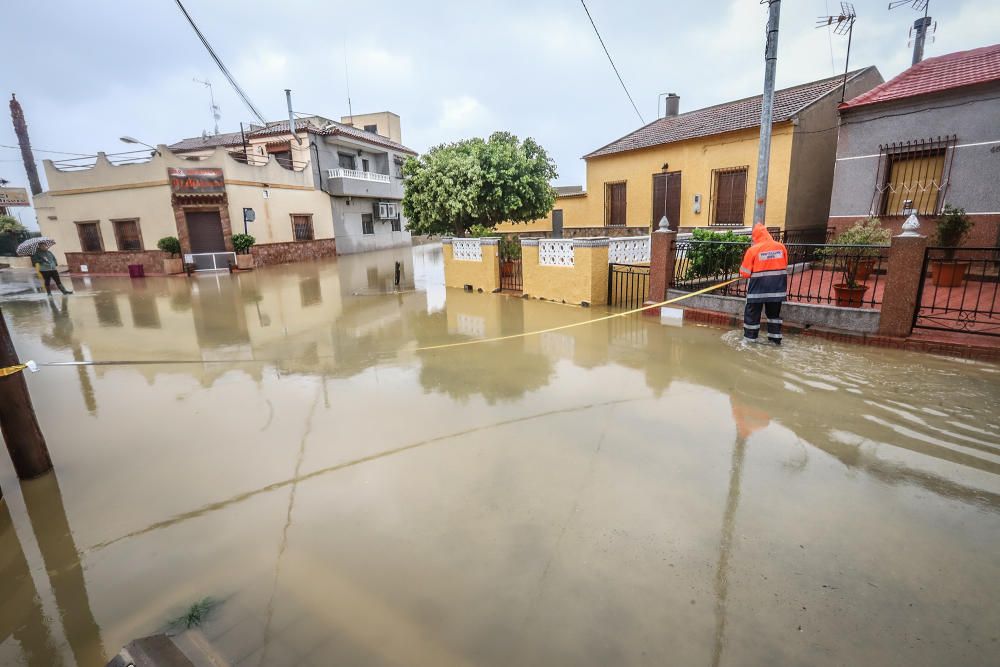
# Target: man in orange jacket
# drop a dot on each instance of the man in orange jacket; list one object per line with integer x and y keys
{"x": 766, "y": 265}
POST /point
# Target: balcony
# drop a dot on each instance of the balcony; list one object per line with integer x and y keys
{"x": 342, "y": 182}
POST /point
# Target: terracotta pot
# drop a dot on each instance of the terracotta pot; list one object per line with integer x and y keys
{"x": 172, "y": 265}
{"x": 850, "y": 297}
{"x": 507, "y": 268}
{"x": 244, "y": 262}
{"x": 948, "y": 274}
{"x": 864, "y": 269}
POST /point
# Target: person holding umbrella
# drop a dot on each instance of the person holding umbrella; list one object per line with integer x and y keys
{"x": 38, "y": 249}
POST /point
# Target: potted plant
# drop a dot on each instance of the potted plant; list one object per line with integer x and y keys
{"x": 855, "y": 250}
{"x": 172, "y": 264}
{"x": 242, "y": 244}
{"x": 952, "y": 228}
{"x": 510, "y": 254}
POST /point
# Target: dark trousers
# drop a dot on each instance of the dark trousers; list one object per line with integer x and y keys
{"x": 751, "y": 320}
{"x": 48, "y": 277}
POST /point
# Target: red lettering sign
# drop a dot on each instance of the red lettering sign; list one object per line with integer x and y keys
{"x": 196, "y": 181}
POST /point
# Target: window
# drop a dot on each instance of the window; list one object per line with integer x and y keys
{"x": 302, "y": 227}
{"x": 365, "y": 166}
{"x": 345, "y": 161}
{"x": 284, "y": 158}
{"x": 614, "y": 204}
{"x": 729, "y": 196}
{"x": 397, "y": 226}
{"x": 398, "y": 162}
{"x": 912, "y": 177}
{"x": 367, "y": 223}
{"x": 371, "y": 128}
{"x": 90, "y": 236}
{"x": 127, "y": 235}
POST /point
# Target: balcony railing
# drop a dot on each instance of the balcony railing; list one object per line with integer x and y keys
{"x": 358, "y": 175}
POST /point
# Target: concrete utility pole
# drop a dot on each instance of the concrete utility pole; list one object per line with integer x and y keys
{"x": 21, "y": 432}
{"x": 766, "y": 110}
{"x": 21, "y": 130}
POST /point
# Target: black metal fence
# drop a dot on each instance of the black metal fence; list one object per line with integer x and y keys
{"x": 959, "y": 291}
{"x": 628, "y": 285}
{"x": 820, "y": 273}
{"x": 511, "y": 275}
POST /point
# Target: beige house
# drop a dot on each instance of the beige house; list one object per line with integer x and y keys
{"x": 288, "y": 191}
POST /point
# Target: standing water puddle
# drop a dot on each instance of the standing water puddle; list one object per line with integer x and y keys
{"x": 313, "y": 491}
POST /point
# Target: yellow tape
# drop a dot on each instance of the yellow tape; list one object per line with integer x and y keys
{"x": 10, "y": 370}
{"x": 578, "y": 324}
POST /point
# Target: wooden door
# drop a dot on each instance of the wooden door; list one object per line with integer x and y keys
{"x": 667, "y": 199}
{"x": 205, "y": 231}
{"x": 557, "y": 223}
{"x": 615, "y": 198}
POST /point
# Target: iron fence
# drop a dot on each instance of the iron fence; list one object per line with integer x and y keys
{"x": 958, "y": 291}
{"x": 511, "y": 274}
{"x": 628, "y": 285}
{"x": 820, "y": 273}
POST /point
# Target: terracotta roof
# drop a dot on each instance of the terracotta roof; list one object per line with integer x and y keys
{"x": 947, "y": 72}
{"x": 727, "y": 117}
{"x": 315, "y": 124}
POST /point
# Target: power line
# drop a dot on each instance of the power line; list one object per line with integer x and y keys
{"x": 42, "y": 150}
{"x": 610, "y": 60}
{"x": 218, "y": 61}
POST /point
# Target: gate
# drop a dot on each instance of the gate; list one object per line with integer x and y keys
{"x": 510, "y": 265}
{"x": 960, "y": 291}
{"x": 628, "y": 285}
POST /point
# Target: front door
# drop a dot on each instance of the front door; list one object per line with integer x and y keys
{"x": 667, "y": 199}
{"x": 205, "y": 231}
{"x": 557, "y": 223}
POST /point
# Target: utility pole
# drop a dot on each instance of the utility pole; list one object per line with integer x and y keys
{"x": 766, "y": 109}
{"x": 21, "y": 130}
{"x": 21, "y": 432}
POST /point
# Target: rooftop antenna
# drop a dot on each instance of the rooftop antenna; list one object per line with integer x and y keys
{"x": 918, "y": 32}
{"x": 216, "y": 116}
{"x": 842, "y": 24}
{"x": 347, "y": 80}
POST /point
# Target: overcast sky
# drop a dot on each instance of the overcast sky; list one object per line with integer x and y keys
{"x": 89, "y": 72}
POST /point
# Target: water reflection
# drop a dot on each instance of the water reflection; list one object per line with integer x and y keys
{"x": 581, "y": 496}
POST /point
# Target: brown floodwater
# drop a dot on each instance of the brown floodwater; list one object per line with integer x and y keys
{"x": 622, "y": 493}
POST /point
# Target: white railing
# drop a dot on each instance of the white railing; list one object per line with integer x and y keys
{"x": 359, "y": 175}
{"x": 629, "y": 250}
{"x": 555, "y": 252}
{"x": 467, "y": 250}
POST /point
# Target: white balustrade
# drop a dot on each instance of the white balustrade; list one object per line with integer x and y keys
{"x": 555, "y": 252}
{"x": 467, "y": 250}
{"x": 629, "y": 250}
{"x": 340, "y": 172}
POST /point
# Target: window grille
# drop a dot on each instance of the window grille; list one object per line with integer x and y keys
{"x": 912, "y": 176}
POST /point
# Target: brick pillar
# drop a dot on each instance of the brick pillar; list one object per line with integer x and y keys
{"x": 661, "y": 264}
{"x": 902, "y": 284}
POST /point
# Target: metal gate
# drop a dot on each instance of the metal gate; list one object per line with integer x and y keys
{"x": 510, "y": 265}
{"x": 960, "y": 291}
{"x": 628, "y": 285}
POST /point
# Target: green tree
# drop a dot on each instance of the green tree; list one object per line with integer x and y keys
{"x": 10, "y": 225}
{"x": 478, "y": 182}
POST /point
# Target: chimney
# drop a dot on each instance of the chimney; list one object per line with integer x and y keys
{"x": 671, "y": 105}
{"x": 920, "y": 27}
{"x": 21, "y": 130}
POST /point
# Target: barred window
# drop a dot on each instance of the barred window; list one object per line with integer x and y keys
{"x": 397, "y": 226}
{"x": 127, "y": 235}
{"x": 367, "y": 223}
{"x": 302, "y": 227}
{"x": 90, "y": 236}
{"x": 913, "y": 176}
{"x": 729, "y": 196}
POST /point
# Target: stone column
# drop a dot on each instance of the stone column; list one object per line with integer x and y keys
{"x": 661, "y": 264}
{"x": 902, "y": 284}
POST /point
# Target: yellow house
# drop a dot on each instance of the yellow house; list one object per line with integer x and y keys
{"x": 699, "y": 168}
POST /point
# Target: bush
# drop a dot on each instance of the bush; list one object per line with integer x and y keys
{"x": 715, "y": 253}
{"x": 510, "y": 247}
{"x": 868, "y": 232}
{"x": 952, "y": 228}
{"x": 242, "y": 243}
{"x": 479, "y": 231}
{"x": 169, "y": 244}
{"x": 10, "y": 225}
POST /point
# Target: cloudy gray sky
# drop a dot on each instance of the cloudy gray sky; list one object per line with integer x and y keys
{"x": 89, "y": 72}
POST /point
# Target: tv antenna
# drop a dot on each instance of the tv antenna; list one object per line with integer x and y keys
{"x": 842, "y": 24}
{"x": 920, "y": 27}
{"x": 216, "y": 115}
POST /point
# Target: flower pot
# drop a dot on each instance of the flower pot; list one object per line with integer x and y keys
{"x": 948, "y": 274}
{"x": 850, "y": 297}
{"x": 244, "y": 262}
{"x": 864, "y": 270}
{"x": 172, "y": 265}
{"x": 507, "y": 268}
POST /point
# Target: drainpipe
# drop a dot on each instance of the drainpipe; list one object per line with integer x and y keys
{"x": 291, "y": 116}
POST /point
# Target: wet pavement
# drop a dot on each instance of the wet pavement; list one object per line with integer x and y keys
{"x": 623, "y": 493}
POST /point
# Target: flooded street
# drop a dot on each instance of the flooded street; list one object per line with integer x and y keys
{"x": 622, "y": 493}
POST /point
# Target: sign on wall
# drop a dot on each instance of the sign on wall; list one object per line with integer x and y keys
{"x": 196, "y": 181}
{"x": 14, "y": 197}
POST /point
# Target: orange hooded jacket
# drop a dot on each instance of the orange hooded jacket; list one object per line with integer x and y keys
{"x": 766, "y": 265}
